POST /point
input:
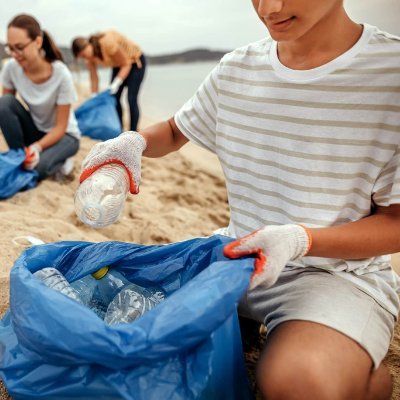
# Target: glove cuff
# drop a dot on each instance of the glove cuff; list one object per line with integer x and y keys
{"x": 302, "y": 240}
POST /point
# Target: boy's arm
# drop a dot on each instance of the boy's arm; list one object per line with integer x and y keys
{"x": 275, "y": 245}
{"x": 375, "y": 235}
{"x": 127, "y": 149}
{"x": 163, "y": 138}
{"x": 94, "y": 79}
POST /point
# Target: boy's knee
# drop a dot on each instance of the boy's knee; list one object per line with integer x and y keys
{"x": 304, "y": 380}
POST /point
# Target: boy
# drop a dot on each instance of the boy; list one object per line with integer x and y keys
{"x": 306, "y": 126}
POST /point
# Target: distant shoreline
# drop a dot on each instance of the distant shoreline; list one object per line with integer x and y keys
{"x": 187, "y": 56}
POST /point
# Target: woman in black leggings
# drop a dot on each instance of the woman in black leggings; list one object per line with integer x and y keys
{"x": 127, "y": 61}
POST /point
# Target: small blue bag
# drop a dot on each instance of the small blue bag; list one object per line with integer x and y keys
{"x": 188, "y": 347}
{"x": 98, "y": 117}
{"x": 13, "y": 178}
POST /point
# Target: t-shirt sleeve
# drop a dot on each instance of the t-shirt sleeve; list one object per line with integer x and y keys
{"x": 197, "y": 119}
{"x": 67, "y": 93}
{"x": 387, "y": 187}
{"x": 6, "y": 77}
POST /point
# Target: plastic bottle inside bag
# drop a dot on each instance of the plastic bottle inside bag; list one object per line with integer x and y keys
{"x": 86, "y": 288}
{"x": 99, "y": 200}
{"x": 109, "y": 283}
{"x": 54, "y": 279}
{"x": 99, "y": 289}
{"x": 127, "y": 306}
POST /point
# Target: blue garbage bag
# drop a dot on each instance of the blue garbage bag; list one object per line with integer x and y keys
{"x": 98, "y": 118}
{"x": 188, "y": 347}
{"x": 13, "y": 178}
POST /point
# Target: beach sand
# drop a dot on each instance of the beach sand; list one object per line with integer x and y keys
{"x": 181, "y": 196}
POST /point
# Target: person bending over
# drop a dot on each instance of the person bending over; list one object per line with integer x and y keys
{"x": 128, "y": 63}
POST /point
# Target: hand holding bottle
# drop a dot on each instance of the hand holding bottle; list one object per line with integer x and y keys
{"x": 126, "y": 150}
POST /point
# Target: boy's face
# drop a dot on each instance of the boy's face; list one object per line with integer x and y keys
{"x": 289, "y": 20}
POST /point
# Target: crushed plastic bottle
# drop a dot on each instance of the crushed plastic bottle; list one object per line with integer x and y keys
{"x": 127, "y": 306}
{"x": 99, "y": 200}
{"x": 54, "y": 279}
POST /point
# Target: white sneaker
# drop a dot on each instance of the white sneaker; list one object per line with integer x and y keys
{"x": 68, "y": 166}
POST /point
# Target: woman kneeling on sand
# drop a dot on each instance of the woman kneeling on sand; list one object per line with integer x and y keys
{"x": 48, "y": 130}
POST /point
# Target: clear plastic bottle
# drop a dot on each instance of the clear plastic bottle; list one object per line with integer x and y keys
{"x": 54, "y": 279}
{"x": 101, "y": 288}
{"x": 109, "y": 283}
{"x": 127, "y": 306}
{"x": 86, "y": 288}
{"x": 99, "y": 200}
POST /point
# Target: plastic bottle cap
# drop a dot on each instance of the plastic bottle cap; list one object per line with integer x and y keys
{"x": 100, "y": 273}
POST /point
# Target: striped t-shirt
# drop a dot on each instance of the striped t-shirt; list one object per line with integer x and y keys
{"x": 318, "y": 147}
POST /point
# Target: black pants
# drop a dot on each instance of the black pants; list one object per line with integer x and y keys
{"x": 20, "y": 131}
{"x": 132, "y": 82}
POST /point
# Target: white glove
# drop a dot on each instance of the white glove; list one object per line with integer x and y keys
{"x": 32, "y": 156}
{"x": 274, "y": 246}
{"x": 115, "y": 84}
{"x": 126, "y": 150}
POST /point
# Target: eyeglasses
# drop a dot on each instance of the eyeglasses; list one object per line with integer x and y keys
{"x": 17, "y": 49}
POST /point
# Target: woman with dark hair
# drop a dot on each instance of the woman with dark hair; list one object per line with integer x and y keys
{"x": 128, "y": 63}
{"x": 48, "y": 130}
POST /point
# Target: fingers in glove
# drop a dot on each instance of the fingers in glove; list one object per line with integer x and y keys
{"x": 133, "y": 187}
{"x": 240, "y": 248}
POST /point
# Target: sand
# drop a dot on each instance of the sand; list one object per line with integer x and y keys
{"x": 182, "y": 196}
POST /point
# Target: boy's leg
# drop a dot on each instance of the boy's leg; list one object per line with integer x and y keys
{"x": 306, "y": 360}
{"x": 16, "y": 123}
{"x": 380, "y": 384}
{"x": 324, "y": 336}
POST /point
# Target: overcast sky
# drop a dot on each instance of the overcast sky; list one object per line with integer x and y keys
{"x": 164, "y": 26}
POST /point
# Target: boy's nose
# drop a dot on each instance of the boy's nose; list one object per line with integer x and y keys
{"x": 269, "y": 7}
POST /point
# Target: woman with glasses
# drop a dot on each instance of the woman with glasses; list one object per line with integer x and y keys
{"x": 111, "y": 49}
{"x": 47, "y": 128}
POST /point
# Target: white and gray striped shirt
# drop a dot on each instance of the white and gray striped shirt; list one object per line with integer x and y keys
{"x": 317, "y": 147}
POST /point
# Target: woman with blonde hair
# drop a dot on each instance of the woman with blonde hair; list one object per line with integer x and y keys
{"x": 48, "y": 130}
{"x": 112, "y": 49}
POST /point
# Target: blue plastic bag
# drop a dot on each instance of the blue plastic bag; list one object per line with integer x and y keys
{"x": 13, "y": 178}
{"x": 98, "y": 117}
{"x": 188, "y": 347}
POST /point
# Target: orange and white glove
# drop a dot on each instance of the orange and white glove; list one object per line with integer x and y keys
{"x": 274, "y": 246}
{"x": 32, "y": 156}
{"x": 126, "y": 150}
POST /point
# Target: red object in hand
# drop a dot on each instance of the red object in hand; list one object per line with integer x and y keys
{"x": 32, "y": 156}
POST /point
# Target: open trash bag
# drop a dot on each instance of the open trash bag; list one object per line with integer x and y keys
{"x": 13, "y": 178}
{"x": 98, "y": 118}
{"x": 188, "y": 347}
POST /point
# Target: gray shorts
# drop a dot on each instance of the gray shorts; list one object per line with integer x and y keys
{"x": 311, "y": 294}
